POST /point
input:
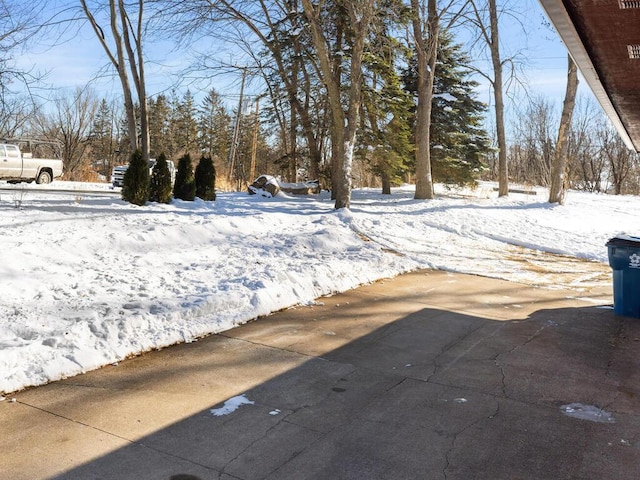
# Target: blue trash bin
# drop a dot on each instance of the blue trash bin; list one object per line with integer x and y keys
{"x": 624, "y": 259}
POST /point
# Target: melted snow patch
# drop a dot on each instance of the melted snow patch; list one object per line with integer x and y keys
{"x": 231, "y": 406}
{"x": 587, "y": 412}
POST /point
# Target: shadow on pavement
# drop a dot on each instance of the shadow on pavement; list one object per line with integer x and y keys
{"x": 433, "y": 395}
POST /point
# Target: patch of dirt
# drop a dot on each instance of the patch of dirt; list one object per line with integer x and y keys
{"x": 561, "y": 271}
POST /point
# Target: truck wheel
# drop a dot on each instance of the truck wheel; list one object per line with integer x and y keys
{"x": 44, "y": 177}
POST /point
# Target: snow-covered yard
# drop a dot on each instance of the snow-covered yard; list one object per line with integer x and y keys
{"x": 88, "y": 280}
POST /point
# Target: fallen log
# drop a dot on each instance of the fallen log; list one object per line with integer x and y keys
{"x": 268, "y": 186}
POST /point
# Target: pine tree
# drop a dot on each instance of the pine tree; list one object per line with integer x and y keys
{"x": 160, "y": 127}
{"x": 387, "y": 107}
{"x": 125, "y": 141}
{"x": 102, "y": 139}
{"x": 214, "y": 125}
{"x": 160, "y": 187}
{"x": 135, "y": 187}
{"x": 205, "y": 179}
{"x": 185, "y": 186}
{"x": 459, "y": 143}
{"x": 185, "y": 125}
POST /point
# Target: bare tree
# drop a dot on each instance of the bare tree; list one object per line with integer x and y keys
{"x": 15, "y": 114}
{"x": 274, "y": 27}
{"x": 587, "y": 165}
{"x": 532, "y": 151}
{"x": 125, "y": 53}
{"x": 488, "y": 30}
{"x": 19, "y": 23}
{"x": 345, "y": 122}
{"x": 558, "y": 187}
{"x": 620, "y": 160}
{"x": 69, "y": 125}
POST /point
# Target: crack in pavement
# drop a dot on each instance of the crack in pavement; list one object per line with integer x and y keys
{"x": 451, "y": 345}
{"x": 460, "y": 432}
{"x": 119, "y": 437}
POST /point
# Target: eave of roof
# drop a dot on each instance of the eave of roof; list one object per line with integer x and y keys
{"x": 564, "y": 25}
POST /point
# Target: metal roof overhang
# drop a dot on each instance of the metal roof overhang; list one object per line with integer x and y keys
{"x": 598, "y": 35}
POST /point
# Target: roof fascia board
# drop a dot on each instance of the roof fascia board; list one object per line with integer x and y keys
{"x": 557, "y": 13}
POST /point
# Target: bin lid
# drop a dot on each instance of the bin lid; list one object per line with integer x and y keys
{"x": 624, "y": 241}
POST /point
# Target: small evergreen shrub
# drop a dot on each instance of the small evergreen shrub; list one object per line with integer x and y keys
{"x": 160, "y": 188}
{"x": 185, "y": 186}
{"x": 206, "y": 179}
{"x": 135, "y": 184}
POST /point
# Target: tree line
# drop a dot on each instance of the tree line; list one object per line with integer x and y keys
{"x": 367, "y": 91}
{"x": 598, "y": 160}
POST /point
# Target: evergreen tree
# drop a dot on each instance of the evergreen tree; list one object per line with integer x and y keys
{"x": 160, "y": 127}
{"x": 185, "y": 186}
{"x": 459, "y": 144}
{"x": 387, "y": 107}
{"x": 125, "y": 141}
{"x": 205, "y": 179}
{"x": 102, "y": 139}
{"x": 185, "y": 125}
{"x": 122, "y": 144}
{"x": 160, "y": 187}
{"x": 135, "y": 187}
{"x": 214, "y": 127}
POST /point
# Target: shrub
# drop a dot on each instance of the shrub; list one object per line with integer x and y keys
{"x": 135, "y": 184}
{"x": 206, "y": 179}
{"x": 160, "y": 188}
{"x": 185, "y": 186}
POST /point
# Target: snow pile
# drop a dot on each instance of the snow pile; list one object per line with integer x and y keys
{"x": 89, "y": 279}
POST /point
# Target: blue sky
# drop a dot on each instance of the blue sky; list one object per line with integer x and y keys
{"x": 539, "y": 51}
{"x": 77, "y": 62}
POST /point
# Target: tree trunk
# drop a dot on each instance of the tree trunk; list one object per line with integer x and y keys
{"x": 142, "y": 89}
{"x": 386, "y": 182}
{"x": 344, "y": 125}
{"x": 335, "y": 153}
{"x": 503, "y": 167}
{"x": 558, "y": 187}
{"x": 315, "y": 156}
{"x": 120, "y": 25}
{"x": 292, "y": 164}
{"x": 132, "y": 128}
{"x": 292, "y": 89}
{"x": 426, "y": 50}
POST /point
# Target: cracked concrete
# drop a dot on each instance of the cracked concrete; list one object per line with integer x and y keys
{"x": 431, "y": 375}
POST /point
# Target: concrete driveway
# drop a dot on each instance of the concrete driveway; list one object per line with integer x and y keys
{"x": 431, "y": 375}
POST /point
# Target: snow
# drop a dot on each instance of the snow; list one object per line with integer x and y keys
{"x": 89, "y": 280}
{"x": 231, "y": 406}
{"x": 587, "y": 412}
{"x": 445, "y": 96}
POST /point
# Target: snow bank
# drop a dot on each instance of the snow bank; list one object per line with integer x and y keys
{"x": 89, "y": 280}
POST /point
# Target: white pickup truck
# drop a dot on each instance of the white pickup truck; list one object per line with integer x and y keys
{"x": 18, "y": 167}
